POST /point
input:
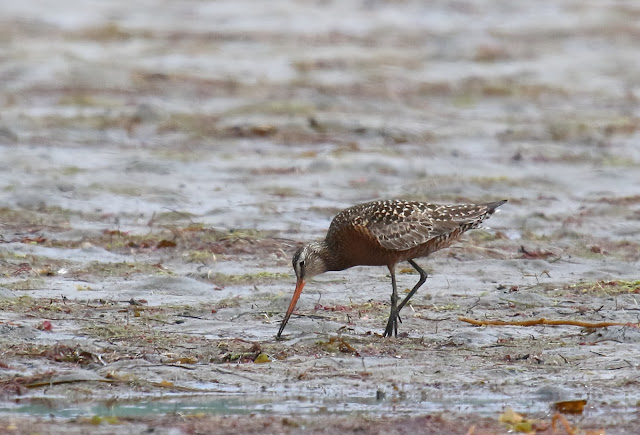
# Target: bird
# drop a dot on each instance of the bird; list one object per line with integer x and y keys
{"x": 385, "y": 233}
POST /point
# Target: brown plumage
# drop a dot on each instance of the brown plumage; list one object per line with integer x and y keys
{"x": 384, "y": 233}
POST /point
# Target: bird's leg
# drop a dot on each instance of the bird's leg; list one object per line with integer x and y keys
{"x": 423, "y": 278}
{"x": 392, "y": 323}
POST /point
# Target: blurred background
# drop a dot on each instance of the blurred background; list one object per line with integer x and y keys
{"x": 226, "y": 107}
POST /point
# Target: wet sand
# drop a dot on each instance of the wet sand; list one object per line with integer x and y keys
{"x": 160, "y": 163}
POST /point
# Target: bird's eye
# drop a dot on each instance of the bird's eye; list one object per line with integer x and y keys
{"x": 302, "y": 263}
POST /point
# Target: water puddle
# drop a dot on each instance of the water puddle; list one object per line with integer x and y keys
{"x": 238, "y": 404}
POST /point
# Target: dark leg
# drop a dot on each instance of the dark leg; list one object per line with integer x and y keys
{"x": 392, "y": 324}
{"x": 423, "y": 278}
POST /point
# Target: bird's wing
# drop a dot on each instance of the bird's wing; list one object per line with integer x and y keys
{"x": 424, "y": 224}
{"x": 400, "y": 236}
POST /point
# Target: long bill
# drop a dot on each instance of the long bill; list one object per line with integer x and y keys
{"x": 292, "y": 305}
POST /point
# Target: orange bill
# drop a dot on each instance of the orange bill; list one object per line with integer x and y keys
{"x": 292, "y": 305}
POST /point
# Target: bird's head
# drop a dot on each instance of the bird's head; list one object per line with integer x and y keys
{"x": 308, "y": 262}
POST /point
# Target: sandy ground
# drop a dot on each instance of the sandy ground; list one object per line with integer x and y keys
{"x": 160, "y": 161}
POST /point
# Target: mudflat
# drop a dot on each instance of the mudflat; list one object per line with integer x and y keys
{"x": 161, "y": 161}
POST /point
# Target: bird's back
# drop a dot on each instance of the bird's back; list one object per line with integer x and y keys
{"x": 386, "y": 232}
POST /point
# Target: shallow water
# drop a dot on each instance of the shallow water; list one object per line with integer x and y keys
{"x": 289, "y": 404}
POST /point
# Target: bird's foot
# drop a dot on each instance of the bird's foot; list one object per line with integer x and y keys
{"x": 392, "y": 325}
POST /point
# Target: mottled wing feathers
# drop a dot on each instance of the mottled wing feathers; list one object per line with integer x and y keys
{"x": 401, "y": 225}
{"x": 401, "y": 236}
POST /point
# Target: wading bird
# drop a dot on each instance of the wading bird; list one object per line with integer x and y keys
{"x": 384, "y": 233}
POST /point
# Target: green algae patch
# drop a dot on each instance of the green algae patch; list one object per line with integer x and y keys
{"x": 26, "y": 284}
{"x": 250, "y": 278}
{"x": 99, "y": 270}
{"x": 51, "y": 218}
{"x": 606, "y": 288}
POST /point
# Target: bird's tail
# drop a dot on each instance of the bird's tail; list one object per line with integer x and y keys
{"x": 492, "y": 206}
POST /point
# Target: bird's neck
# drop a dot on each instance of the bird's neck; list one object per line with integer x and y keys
{"x": 330, "y": 256}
